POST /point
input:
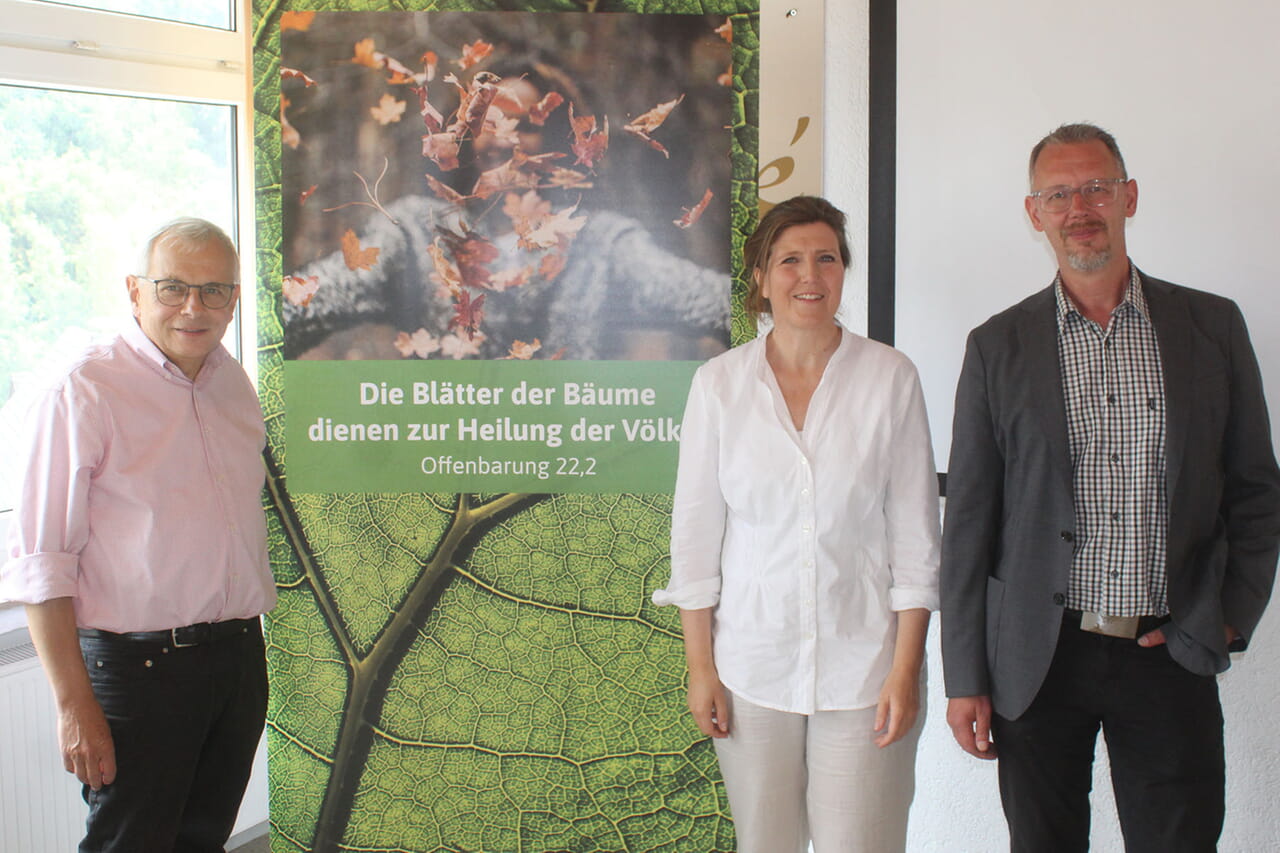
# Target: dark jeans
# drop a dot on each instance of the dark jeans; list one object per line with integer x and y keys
{"x": 1163, "y": 727}
{"x": 186, "y": 724}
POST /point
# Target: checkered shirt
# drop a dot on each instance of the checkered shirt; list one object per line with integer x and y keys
{"x": 1114, "y": 389}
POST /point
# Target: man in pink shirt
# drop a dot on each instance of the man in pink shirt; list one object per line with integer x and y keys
{"x": 139, "y": 547}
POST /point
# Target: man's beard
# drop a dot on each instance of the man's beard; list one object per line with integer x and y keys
{"x": 1085, "y": 259}
{"x": 1088, "y": 260}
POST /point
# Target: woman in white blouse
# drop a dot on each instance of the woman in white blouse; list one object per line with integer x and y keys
{"x": 804, "y": 556}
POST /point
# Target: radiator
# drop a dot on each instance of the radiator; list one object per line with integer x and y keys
{"x": 40, "y": 806}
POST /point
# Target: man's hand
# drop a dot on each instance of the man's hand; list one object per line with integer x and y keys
{"x": 1156, "y": 637}
{"x": 83, "y": 734}
{"x": 85, "y": 741}
{"x": 970, "y": 721}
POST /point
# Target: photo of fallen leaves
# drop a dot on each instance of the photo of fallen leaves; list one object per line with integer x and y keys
{"x": 460, "y": 176}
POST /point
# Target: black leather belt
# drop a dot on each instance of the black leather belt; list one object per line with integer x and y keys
{"x": 179, "y": 638}
{"x": 1079, "y": 619}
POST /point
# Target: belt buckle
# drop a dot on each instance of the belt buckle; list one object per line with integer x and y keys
{"x": 189, "y": 632}
{"x": 1125, "y": 627}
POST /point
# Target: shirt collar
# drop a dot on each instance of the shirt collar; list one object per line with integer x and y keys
{"x": 841, "y": 352}
{"x": 1133, "y": 296}
{"x": 153, "y": 355}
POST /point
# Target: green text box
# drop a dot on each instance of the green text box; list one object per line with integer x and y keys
{"x": 484, "y": 426}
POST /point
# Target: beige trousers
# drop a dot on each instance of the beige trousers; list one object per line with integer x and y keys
{"x": 792, "y": 778}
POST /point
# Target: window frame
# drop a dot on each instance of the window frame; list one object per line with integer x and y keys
{"x": 52, "y": 46}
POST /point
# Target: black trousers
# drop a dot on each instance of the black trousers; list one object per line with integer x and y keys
{"x": 1163, "y": 727}
{"x": 186, "y": 724}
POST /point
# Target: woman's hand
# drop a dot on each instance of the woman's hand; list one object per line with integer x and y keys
{"x": 899, "y": 703}
{"x": 708, "y": 702}
{"x": 898, "y": 706}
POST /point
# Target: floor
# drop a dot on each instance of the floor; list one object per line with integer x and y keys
{"x": 261, "y": 844}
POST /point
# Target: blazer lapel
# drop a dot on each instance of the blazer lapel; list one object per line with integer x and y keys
{"x": 1172, "y": 322}
{"x": 1038, "y": 339}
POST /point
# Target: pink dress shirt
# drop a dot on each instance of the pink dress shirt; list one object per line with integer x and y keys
{"x": 141, "y": 496}
{"x": 805, "y": 545}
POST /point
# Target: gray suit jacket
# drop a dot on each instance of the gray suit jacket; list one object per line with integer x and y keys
{"x": 1010, "y": 516}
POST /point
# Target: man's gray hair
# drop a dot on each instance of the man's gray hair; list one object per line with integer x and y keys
{"x": 1069, "y": 134}
{"x": 187, "y": 234}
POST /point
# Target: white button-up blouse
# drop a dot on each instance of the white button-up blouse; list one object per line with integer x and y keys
{"x": 805, "y": 545}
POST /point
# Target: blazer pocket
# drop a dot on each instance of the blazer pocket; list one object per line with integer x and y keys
{"x": 995, "y": 608}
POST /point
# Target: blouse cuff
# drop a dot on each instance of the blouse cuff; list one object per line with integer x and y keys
{"x": 912, "y": 597}
{"x": 39, "y": 577}
{"x": 691, "y": 596}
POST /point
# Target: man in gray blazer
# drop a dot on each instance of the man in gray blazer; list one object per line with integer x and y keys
{"x": 1112, "y": 526}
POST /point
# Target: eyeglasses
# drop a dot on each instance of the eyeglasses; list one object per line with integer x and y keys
{"x": 173, "y": 293}
{"x": 1096, "y": 193}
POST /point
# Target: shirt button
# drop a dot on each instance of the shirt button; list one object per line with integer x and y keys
{"x": 1059, "y": 598}
{"x": 805, "y": 528}
{"x": 1111, "y": 399}
{"x": 1115, "y": 516}
{"x": 1115, "y": 457}
{"x": 1115, "y": 573}
{"x": 1151, "y": 403}
{"x": 804, "y": 492}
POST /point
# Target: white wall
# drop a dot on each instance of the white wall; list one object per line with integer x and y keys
{"x": 1190, "y": 91}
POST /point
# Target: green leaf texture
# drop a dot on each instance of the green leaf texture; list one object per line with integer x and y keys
{"x": 478, "y": 672}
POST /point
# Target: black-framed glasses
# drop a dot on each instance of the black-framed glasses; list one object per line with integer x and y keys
{"x": 173, "y": 292}
{"x": 1099, "y": 192}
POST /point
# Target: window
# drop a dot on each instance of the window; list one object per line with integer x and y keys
{"x": 113, "y": 124}
{"x": 208, "y": 13}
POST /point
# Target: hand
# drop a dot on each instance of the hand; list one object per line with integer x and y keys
{"x": 85, "y": 741}
{"x": 970, "y": 721}
{"x": 1151, "y": 639}
{"x": 709, "y": 703}
{"x": 898, "y": 707}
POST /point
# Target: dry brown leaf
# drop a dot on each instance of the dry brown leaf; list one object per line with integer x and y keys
{"x": 693, "y": 214}
{"x": 474, "y": 53}
{"x": 461, "y": 344}
{"x": 445, "y": 191}
{"x": 468, "y": 313}
{"x": 654, "y": 118}
{"x": 442, "y": 149}
{"x": 421, "y": 343}
{"x": 539, "y": 112}
{"x": 522, "y": 351}
{"x": 446, "y": 273}
{"x": 299, "y": 290}
{"x": 642, "y": 126}
{"x": 556, "y": 229}
{"x": 295, "y": 74}
{"x": 300, "y": 21}
{"x": 356, "y": 257}
{"x": 588, "y": 143}
{"x": 288, "y": 133}
{"x": 388, "y": 110}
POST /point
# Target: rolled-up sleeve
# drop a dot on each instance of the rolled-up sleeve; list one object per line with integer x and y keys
{"x": 698, "y": 514}
{"x": 912, "y": 512}
{"x": 50, "y": 527}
